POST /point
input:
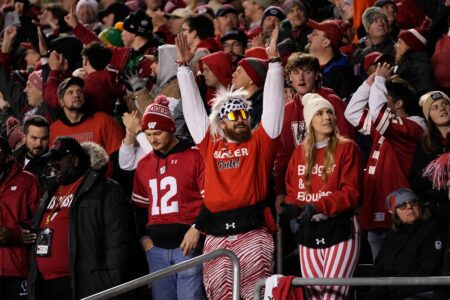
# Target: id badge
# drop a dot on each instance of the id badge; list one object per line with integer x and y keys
{"x": 44, "y": 241}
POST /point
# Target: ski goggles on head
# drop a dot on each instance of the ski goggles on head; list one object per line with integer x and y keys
{"x": 234, "y": 115}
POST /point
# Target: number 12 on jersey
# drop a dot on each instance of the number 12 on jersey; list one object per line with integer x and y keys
{"x": 162, "y": 195}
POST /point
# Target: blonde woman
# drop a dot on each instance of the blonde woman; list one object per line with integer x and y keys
{"x": 323, "y": 183}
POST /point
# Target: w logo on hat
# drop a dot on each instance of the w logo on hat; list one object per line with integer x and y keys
{"x": 151, "y": 125}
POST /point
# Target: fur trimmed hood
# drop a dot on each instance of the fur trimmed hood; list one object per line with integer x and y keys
{"x": 97, "y": 155}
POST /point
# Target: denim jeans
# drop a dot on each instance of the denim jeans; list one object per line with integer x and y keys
{"x": 187, "y": 284}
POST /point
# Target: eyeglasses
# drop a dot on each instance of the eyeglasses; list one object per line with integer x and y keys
{"x": 404, "y": 205}
{"x": 234, "y": 115}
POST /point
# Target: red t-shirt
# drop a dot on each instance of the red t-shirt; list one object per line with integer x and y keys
{"x": 57, "y": 264}
{"x": 236, "y": 174}
{"x": 99, "y": 128}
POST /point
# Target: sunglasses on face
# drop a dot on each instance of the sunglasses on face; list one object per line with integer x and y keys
{"x": 234, "y": 115}
{"x": 404, "y": 205}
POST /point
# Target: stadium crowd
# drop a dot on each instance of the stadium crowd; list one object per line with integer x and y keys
{"x": 138, "y": 134}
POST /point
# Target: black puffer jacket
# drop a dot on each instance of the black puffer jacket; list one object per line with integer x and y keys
{"x": 101, "y": 236}
{"x": 416, "y": 69}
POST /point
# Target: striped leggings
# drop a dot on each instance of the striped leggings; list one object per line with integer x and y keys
{"x": 254, "y": 250}
{"x": 334, "y": 262}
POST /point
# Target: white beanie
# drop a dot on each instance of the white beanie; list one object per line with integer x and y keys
{"x": 312, "y": 103}
{"x": 91, "y": 3}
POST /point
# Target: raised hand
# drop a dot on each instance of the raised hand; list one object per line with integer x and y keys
{"x": 383, "y": 70}
{"x": 272, "y": 51}
{"x": 71, "y": 18}
{"x": 43, "y": 50}
{"x": 132, "y": 122}
{"x": 9, "y": 35}
{"x": 184, "y": 54}
{"x": 55, "y": 61}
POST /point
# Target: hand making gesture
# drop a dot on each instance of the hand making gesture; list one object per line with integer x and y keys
{"x": 184, "y": 54}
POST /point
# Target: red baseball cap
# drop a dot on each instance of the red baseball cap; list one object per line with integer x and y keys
{"x": 331, "y": 28}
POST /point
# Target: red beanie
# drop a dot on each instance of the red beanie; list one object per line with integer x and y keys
{"x": 14, "y": 132}
{"x": 256, "y": 52}
{"x": 157, "y": 116}
{"x": 416, "y": 39}
{"x": 220, "y": 65}
{"x": 256, "y": 69}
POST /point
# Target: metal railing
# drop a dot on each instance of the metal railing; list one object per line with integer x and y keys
{"x": 144, "y": 280}
{"x": 361, "y": 281}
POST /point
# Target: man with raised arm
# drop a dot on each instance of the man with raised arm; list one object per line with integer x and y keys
{"x": 238, "y": 163}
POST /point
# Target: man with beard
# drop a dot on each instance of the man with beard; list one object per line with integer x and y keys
{"x": 81, "y": 123}
{"x": 19, "y": 196}
{"x": 37, "y": 131}
{"x": 238, "y": 163}
{"x": 84, "y": 226}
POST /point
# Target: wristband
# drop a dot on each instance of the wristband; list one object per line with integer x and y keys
{"x": 274, "y": 59}
{"x": 182, "y": 63}
{"x": 138, "y": 132}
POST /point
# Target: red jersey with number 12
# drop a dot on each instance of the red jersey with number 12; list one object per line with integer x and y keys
{"x": 171, "y": 187}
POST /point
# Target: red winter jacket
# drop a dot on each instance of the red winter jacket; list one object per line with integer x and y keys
{"x": 294, "y": 130}
{"x": 20, "y": 193}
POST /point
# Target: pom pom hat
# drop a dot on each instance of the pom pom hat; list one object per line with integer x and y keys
{"x": 157, "y": 116}
{"x": 312, "y": 103}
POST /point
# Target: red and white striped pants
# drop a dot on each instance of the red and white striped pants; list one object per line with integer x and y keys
{"x": 334, "y": 262}
{"x": 254, "y": 250}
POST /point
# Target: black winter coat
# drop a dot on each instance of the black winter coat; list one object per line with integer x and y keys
{"x": 101, "y": 236}
{"x": 416, "y": 69}
{"x": 413, "y": 250}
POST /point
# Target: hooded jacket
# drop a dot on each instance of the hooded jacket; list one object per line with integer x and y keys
{"x": 101, "y": 233}
{"x": 19, "y": 197}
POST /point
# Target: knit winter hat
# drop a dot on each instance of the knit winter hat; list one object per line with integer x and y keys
{"x": 289, "y": 4}
{"x": 415, "y": 38}
{"x": 398, "y": 197}
{"x": 92, "y": 3}
{"x": 331, "y": 28}
{"x": 220, "y": 65}
{"x": 370, "y": 15}
{"x": 157, "y": 116}
{"x": 14, "y": 131}
{"x": 427, "y": 99}
{"x": 311, "y": 104}
{"x": 265, "y": 3}
{"x": 111, "y": 36}
{"x": 256, "y": 52}
{"x": 139, "y": 23}
{"x": 35, "y": 78}
{"x": 273, "y": 11}
{"x": 256, "y": 69}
